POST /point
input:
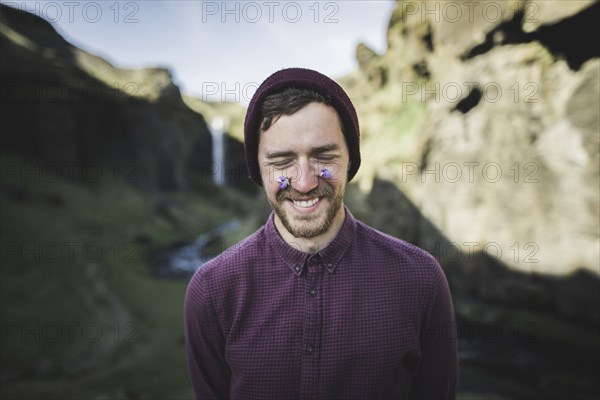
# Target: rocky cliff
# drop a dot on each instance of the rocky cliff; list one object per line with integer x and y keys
{"x": 66, "y": 108}
{"x": 480, "y": 139}
{"x": 494, "y": 114}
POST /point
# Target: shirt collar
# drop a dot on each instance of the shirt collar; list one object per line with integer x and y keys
{"x": 329, "y": 257}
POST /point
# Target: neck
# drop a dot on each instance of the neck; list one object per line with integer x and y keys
{"x": 314, "y": 244}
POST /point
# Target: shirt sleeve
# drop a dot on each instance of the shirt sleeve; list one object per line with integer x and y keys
{"x": 205, "y": 344}
{"x": 437, "y": 374}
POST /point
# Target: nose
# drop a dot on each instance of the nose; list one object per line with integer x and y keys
{"x": 306, "y": 177}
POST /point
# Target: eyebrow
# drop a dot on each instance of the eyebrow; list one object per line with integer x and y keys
{"x": 314, "y": 150}
{"x": 324, "y": 149}
{"x": 278, "y": 154}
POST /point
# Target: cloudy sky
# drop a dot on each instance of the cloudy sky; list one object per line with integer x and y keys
{"x": 220, "y": 44}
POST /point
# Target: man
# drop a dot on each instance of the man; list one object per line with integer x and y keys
{"x": 315, "y": 304}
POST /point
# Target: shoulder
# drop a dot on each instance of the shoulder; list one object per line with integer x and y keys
{"x": 379, "y": 244}
{"x": 398, "y": 258}
{"x": 413, "y": 268}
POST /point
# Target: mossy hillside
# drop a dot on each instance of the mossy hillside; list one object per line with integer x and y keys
{"x": 139, "y": 314}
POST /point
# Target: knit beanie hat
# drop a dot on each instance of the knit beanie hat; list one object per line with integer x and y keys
{"x": 308, "y": 79}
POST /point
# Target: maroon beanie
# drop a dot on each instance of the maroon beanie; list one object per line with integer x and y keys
{"x": 308, "y": 79}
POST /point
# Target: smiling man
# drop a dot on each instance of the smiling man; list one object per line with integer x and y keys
{"x": 308, "y": 213}
{"x": 316, "y": 304}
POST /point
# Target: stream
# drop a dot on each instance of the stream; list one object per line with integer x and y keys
{"x": 183, "y": 260}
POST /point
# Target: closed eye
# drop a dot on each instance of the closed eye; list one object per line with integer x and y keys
{"x": 282, "y": 164}
{"x": 326, "y": 158}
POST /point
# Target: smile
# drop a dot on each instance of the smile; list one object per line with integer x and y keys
{"x": 306, "y": 203}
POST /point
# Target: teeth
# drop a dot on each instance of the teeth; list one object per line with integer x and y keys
{"x": 307, "y": 203}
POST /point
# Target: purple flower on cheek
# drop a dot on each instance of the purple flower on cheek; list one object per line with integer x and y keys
{"x": 284, "y": 182}
{"x": 325, "y": 173}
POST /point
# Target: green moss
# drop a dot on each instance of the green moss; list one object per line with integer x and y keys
{"x": 391, "y": 136}
{"x": 140, "y": 352}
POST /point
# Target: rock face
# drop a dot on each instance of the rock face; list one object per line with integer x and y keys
{"x": 502, "y": 146}
{"x": 482, "y": 146}
{"x": 71, "y": 111}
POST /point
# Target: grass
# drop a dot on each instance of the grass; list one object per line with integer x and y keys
{"x": 62, "y": 298}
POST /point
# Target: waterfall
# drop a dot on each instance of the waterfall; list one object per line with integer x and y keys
{"x": 217, "y": 131}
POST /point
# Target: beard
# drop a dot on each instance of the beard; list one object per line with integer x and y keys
{"x": 308, "y": 226}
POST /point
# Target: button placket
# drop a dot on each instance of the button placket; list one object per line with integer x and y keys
{"x": 312, "y": 328}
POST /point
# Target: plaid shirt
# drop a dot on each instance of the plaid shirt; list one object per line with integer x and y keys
{"x": 368, "y": 317}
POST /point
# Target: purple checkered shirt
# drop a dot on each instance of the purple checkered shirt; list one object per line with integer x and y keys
{"x": 367, "y": 317}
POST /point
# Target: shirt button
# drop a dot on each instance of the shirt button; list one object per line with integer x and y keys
{"x": 297, "y": 269}
{"x": 310, "y": 349}
{"x": 312, "y": 291}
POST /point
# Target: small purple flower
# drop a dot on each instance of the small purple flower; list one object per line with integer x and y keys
{"x": 284, "y": 182}
{"x": 325, "y": 173}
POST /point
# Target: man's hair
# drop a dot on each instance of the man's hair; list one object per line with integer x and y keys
{"x": 287, "y": 102}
